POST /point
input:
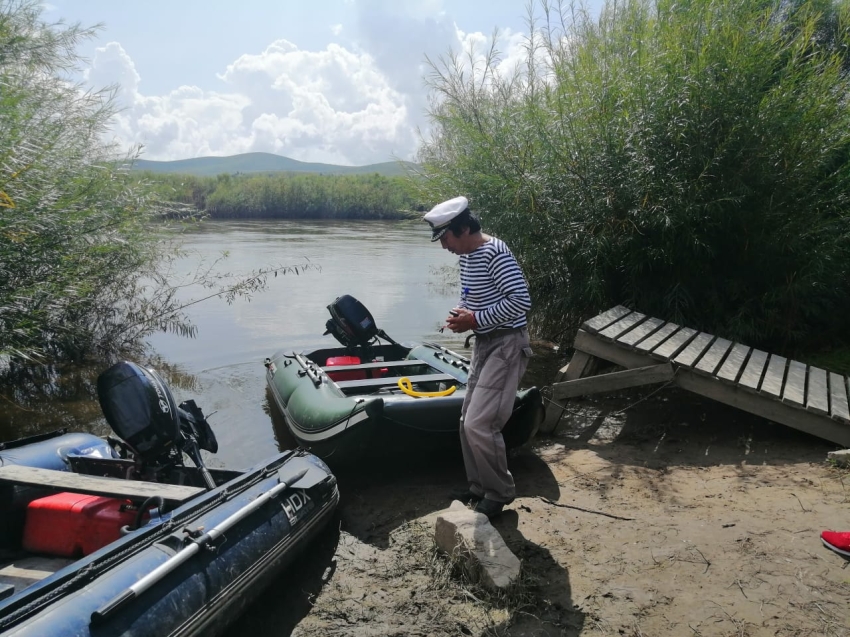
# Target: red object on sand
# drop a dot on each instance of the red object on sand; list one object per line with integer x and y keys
{"x": 837, "y": 541}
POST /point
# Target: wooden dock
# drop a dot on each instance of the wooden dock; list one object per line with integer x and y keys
{"x": 652, "y": 350}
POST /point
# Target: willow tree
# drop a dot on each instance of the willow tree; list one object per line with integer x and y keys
{"x": 84, "y": 259}
{"x": 691, "y": 159}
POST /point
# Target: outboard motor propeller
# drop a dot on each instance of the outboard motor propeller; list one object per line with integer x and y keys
{"x": 140, "y": 408}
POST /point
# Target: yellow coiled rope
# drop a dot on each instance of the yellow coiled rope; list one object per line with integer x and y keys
{"x": 406, "y": 386}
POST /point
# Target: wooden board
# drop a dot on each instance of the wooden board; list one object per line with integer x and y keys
{"x": 590, "y": 344}
{"x": 613, "y": 381}
{"x": 827, "y": 413}
{"x": 752, "y": 372}
{"x": 794, "y": 392}
{"x": 766, "y": 407}
{"x": 688, "y": 356}
{"x": 605, "y": 319}
{"x": 656, "y": 338}
{"x": 838, "y": 397}
{"x": 632, "y": 337}
{"x": 759, "y": 404}
{"x": 26, "y": 571}
{"x": 734, "y": 363}
{"x": 378, "y": 365}
{"x": 709, "y": 363}
{"x": 622, "y": 326}
{"x": 673, "y": 345}
{"x": 774, "y": 376}
{"x": 816, "y": 391}
{"x": 580, "y": 365}
{"x": 392, "y": 380}
{"x": 95, "y": 485}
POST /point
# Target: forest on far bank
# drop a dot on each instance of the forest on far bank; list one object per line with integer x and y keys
{"x": 291, "y": 195}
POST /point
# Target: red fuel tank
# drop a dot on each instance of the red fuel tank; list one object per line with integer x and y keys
{"x": 73, "y": 524}
{"x": 354, "y": 374}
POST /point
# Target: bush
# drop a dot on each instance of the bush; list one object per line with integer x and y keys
{"x": 689, "y": 159}
{"x": 82, "y": 260}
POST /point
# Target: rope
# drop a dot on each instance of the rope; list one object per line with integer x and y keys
{"x": 405, "y": 385}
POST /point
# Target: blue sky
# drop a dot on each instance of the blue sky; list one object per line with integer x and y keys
{"x": 337, "y": 81}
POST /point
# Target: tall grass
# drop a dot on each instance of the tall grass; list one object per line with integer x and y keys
{"x": 689, "y": 159}
{"x": 291, "y": 196}
{"x": 85, "y": 264}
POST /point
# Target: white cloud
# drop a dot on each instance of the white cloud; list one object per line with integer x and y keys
{"x": 112, "y": 66}
{"x": 332, "y": 105}
{"x": 356, "y": 103}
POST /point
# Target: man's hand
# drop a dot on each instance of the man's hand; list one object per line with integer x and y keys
{"x": 460, "y": 320}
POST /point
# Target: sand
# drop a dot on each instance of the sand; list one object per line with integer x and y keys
{"x": 645, "y": 514}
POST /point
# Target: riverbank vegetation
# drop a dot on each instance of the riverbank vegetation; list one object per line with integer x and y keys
{"x": 690, "y": 159}
{"x": 292, "y": 196}
{"x": 84, "y": 259}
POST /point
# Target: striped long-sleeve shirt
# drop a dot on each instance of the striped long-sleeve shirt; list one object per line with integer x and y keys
{"x": 493, "y": 287}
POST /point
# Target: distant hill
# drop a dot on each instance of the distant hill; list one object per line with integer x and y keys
{"x": 263, "y": 163}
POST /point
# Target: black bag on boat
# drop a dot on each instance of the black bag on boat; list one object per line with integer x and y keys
{"x": 350, "y": 323}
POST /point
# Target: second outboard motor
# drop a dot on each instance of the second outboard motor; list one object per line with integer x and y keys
{"x": 141, "y": 410}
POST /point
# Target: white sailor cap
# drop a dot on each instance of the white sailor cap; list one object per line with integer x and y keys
{"x": 441, "y": 215}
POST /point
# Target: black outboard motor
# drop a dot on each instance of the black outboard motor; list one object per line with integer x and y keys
{"x": 139, "y": 407}
{"x": 351, "y": 323}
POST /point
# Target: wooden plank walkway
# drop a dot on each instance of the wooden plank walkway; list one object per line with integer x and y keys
{"x": 786, "y": 391}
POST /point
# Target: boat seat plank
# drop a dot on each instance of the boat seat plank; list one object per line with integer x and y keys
{"x": 95, "y": 485}
{"x": 752, "y": 372}
{"x": 838, "y": 397}
{"x": 656, "y": 338}
{"x": 774, "y": 376}
{"x": 23, "y": 572}
{"x": 709, "y": 363}
{"x": 632, "y": 337}
{"x": 392, "y": 380}
{"x": 605, "y": 319}
{"x": 622, "y": 326}
{"x": 817, "y": 400}
{"x": 673, "y": 345}
{"x": 734, "y": 363}
{"x": 688, "y": 356}
{"x": 413, "y": 362}
{"x": 794, "y": 392}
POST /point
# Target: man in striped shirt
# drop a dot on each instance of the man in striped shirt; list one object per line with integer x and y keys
{"x": 493, "y": 303}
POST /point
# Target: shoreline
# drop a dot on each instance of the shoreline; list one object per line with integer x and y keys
{"x": 678, "y": 516}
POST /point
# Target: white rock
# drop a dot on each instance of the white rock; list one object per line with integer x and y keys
{"x": 841, "y": 458}
{"x": 469, "y": 537}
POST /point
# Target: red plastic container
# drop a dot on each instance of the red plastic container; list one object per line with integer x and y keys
{"x": 353, "y": 374}
{"x": 73, "y": 525}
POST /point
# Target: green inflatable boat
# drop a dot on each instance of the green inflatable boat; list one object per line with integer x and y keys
{"x": 373, "y": 396}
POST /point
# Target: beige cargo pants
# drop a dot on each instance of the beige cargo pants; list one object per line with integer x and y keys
{"x": 499, "y": 360}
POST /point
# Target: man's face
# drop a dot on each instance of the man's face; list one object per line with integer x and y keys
{"x": 451, "y": 243}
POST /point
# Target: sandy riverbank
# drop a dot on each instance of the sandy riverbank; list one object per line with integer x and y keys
{"x": 678, "y": 516}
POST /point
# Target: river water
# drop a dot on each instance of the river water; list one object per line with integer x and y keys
{"x": 407, "y": 282}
